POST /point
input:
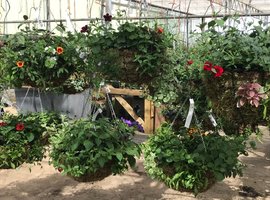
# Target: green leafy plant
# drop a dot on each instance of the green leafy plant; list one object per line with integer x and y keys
{"x": 40, "y": 58}
{"x": 134, "y": 52}
{"x": 23, "y": 138}
{"x": 191, "y": 159}
{"x": 229, "y": 57}
{"x": 223, "y": 42}
{"x": 91, "y": 150}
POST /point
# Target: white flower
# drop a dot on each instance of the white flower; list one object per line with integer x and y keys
{"x": 82, "y": 55}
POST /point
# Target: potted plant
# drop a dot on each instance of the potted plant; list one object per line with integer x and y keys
{"x": 191, "y": 159}
{"x": 40, "y": 58}
{"x": 89, "y": 150}
{"x": 57, "y": 67}
{"x": 231, "y": 58}
{"x": 134, "y": 52}
{"x": 23, "y": 138}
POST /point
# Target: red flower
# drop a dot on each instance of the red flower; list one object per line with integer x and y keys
{"x": 59, "y": 50}
{"x": 3, "y": 123}
{"x": 218, "y": 71}
{"x": 19, "y": 127}
{"x": 190, "y": 62}
{"x": 107, "y": 17}
{"x": 60, "y": 169}
{"x": 160, "y": 30}
{"x": 207, "y": 66}
{"x": 20, "y": 63}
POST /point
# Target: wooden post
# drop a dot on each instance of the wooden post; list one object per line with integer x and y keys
{"x": 148, "y": 119}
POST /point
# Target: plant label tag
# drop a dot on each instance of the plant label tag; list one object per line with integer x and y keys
{"x": 96, "y": 114}
{"x": 37, "y": 13}
{"x": 190, "y": 113}
{"x": 212, "y": 119}
{"x": 69, "y": 23}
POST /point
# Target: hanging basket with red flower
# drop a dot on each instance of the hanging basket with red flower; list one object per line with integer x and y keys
{"x": 23, "y": 138}
{"x": 232, "y": 57}
{"x": 222, "y": 89}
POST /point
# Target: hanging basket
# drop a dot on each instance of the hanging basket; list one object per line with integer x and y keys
{"x": 169, "y": 171}
{"x": 99, "y": 175}
{"x": 124, "y": 68}
{"x": 222, "y": 93}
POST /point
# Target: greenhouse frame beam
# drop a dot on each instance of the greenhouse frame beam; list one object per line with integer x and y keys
{"x": 48, "y": 8}
{"x": 163, "y": 8}
{"x": 237, "y": 5}
{"x": 137, "y": 18}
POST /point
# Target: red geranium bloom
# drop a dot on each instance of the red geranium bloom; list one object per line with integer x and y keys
{"x": 160, "y": 30}
{"x": 59, "y": 50}
{"x": 20, "y": 63}
{"x": 190, "y": 62}
{"x": 219, "y": 71}
{"x": 207, "y": 66}
{"x": 60, "y": 169}
{"x": 3, "y": 123}
{"x": 19, "y": 127}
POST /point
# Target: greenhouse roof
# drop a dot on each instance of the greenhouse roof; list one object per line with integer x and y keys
{"x": 207, "y": 7}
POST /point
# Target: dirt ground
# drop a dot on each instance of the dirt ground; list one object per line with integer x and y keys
{"x": 45, "y": 183}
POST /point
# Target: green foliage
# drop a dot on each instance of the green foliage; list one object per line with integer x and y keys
{"x": 40, "y": 58}
{"x": 224, "y": 43}
{"x": 266, "y": 105}
{"x": 192, "y": 160}
{"x": 23, "y": 138}
{"x": 83, "y": 147}
{"x": 241, "y": 49}
{"x": 181, "y": 82}
{"x": 133, "y": 52}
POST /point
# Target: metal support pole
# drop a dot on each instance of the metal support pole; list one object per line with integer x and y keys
{"x": 144, "y": 18}
{"x": 48, "y": 17}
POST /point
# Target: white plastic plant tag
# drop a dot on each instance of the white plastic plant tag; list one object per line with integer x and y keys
{"x": 190, "y": 113}
{"x": 69, "y": 23}
{"x": 37, "y": 16}
{"x": 96, "y": 114}
{"x": 109, "y": 7}
{"x": 212, "y": 119}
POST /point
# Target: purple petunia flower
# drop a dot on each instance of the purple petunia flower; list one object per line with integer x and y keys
{"x": 133, "y": 124}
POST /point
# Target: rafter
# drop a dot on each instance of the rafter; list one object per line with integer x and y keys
{"x": 237, "y": 5}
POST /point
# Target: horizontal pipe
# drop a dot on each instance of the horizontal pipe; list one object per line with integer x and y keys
{"x": 145, "y": 18}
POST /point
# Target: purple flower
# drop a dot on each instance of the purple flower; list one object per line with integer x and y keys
{"x": 126, "y": 121}
{"x": 84, "y": 29}
{"x": 133, "y": 124}
{"x": 107, "y": 17}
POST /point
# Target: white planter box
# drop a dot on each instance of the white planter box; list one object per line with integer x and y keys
{"x": 73, "y": 105}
